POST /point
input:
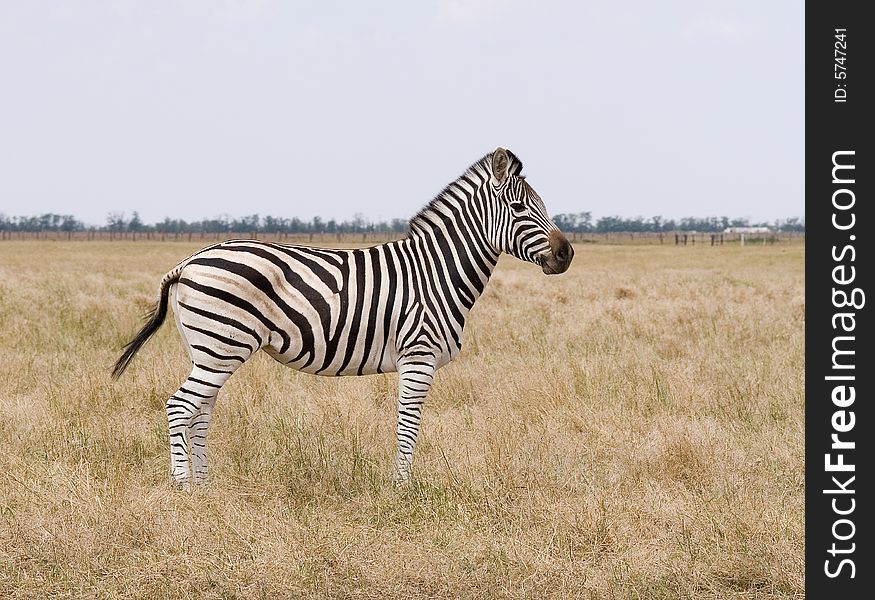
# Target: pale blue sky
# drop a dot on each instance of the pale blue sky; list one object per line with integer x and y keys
{"x": 193, "y": 109}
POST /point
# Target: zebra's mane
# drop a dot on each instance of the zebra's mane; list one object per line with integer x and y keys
{"x": 479, "y": 170}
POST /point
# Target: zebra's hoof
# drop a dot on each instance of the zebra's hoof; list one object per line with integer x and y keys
{"x": 401, "y": 480}
{"x": 181, "y": 484}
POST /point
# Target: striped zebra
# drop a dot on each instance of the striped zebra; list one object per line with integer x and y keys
{"x": 399, "y": 306}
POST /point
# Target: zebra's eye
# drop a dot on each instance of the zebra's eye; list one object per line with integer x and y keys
{"x": 517, "y": 206}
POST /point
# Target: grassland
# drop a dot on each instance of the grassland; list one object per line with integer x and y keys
{"x": 631, "y": 429}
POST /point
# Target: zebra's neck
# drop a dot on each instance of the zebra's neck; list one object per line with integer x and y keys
{"x": 452, "y": 236}
{"x": 456, "y": 262}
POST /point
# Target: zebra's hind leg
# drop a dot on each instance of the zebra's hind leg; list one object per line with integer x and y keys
{"x": 188, "y": 418}
{"x": 415, "y": 376}
{"x": 198, "y": 433}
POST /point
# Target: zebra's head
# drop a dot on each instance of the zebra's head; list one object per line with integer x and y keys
{"x": 523, "y": 227}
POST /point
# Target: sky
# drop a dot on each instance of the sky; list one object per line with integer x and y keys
{"x": 196, "y": 109}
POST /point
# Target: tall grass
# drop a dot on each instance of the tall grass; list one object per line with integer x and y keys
{"x": 631, "y": 429}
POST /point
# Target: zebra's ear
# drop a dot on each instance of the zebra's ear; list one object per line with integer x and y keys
{"x": 499, "y": 165}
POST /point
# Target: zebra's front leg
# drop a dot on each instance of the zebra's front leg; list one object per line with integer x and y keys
{"x": 415, "y": 376}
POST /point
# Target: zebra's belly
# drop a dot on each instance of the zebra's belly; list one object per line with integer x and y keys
{"x": 345, "y": 358}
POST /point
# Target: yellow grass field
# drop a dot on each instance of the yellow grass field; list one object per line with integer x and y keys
{"x": 631, "y": 429}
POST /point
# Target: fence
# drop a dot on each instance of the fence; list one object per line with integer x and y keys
{"x": 686, "y": 238}
{"x": 375, "y": 237}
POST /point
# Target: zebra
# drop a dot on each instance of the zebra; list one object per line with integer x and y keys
{"x": 395, "y": 307}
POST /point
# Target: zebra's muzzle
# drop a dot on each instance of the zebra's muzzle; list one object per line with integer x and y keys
{"x": 558, "y": 258}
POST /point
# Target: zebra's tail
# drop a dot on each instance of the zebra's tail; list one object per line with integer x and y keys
{"x": 154, "y": 319}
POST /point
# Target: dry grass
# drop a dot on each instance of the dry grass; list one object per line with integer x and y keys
{"x": 632, "y": 429}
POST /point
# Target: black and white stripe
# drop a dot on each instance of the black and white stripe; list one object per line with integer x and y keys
{"x": 399, "y": 306}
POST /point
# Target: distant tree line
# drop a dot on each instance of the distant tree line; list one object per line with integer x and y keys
{"x": 118, "y": 222}
{"x": 583, "y": 223}
{"x": 568, "y": 222}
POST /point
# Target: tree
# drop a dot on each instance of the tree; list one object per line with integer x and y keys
{"x": 116, "y": 221}
{"x": 135, "y": 224}
{"x": 69, "y": 223}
